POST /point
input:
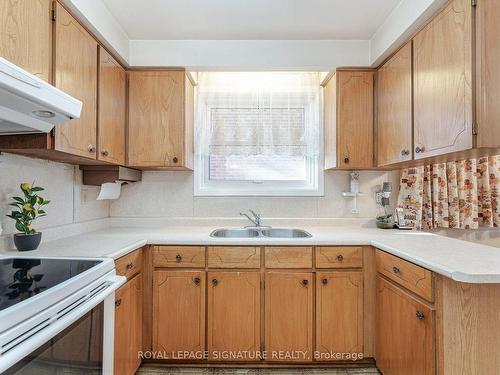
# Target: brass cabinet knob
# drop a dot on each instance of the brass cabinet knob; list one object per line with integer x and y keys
{"x": 324, "y": 281}
{"x": 340, "y": 257}
{"x": 420, "y": 315}
{"x": 196, "y": 280}
{"x": 178, "y": 258}
{"x": 419, "y": 149}
{"x": 118, "y": 302}
{"x": 305, "y": 282}
{"x": 175, "y": 159}
{"x": 346, "y": 160}
{"x": 405, "y": 152}
{"x": 130, "y": 265}
{"x": 396, "y": 269}
{"x": 215, "y": 282}
{"x": 104, "y": 152}
{"x": 91, "y": 148}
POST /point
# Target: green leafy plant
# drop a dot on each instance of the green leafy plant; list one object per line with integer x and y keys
{"x": 29, "y": 208}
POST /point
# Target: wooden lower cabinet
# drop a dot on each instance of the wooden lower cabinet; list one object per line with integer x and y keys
{"x": 234, "y": 315}
{"x": 128, "y": 326}
{"x": 179, "y": 312}
{"x": 339, "y": 315}
{"x": 289, "y": 316}
{"x": 405, "y": 338}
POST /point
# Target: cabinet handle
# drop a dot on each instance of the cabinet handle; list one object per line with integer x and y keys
{"x": 305, "y": 282}
{"x": 405, "y": 152}
{"x": 215, "y": 282}
{"x": 346, "y": 160}
{"x": 324, "y": 281}
{"x": 130, "y": 265}
{"x": 196, "y": 281}
{"x": 396, "y": 269}
{"x": 178, "y": 258}
{"x": 418, "y": 149}
{"x": 105, "y": 152}
{"x": 420, "y": 315}
{"x": 91, "y": 148}
{"x": 118, "y": 302}
{"x": 175, "y": 159}
{"x": 340, "y": 257}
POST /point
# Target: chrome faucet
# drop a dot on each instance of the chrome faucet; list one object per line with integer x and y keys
{"x": 255, "y": 218}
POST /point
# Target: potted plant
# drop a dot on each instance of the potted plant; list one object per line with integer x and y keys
{"x": 28, "y": 209}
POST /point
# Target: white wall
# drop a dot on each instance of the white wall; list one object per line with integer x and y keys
{"x": 62, "y": 183}
{"x": 170, "y": 194}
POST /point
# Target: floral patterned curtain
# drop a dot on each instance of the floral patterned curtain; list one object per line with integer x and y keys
{"x": 462, "y": 194}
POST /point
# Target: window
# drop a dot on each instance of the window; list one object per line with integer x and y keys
{"x": 258, "y": 134}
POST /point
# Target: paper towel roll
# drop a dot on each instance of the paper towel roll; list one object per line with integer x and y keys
{"x": 110, "y": 190}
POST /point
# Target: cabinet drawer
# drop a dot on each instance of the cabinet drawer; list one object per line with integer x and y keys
{"x": 129, "y": 265}
{"x": 233, "y": 257}
{"x": 288, "y": 257}
{"x": 179, "y": 256}
{"x": 339, "y": 257}
{"x": 409, "y": 275}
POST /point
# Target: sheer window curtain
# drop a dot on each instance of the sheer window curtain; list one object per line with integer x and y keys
{"x": 463, "y": 194}
{"x": 250, "y": 119}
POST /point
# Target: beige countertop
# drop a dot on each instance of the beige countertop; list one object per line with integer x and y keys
{"x": 460, "y": 260}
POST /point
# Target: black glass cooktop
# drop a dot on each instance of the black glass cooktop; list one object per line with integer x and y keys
{"x": 22, "y": 278}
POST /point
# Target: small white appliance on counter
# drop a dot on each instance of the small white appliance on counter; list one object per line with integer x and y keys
{"x": 31, "y": 105}
{"x": 57, "y": 315}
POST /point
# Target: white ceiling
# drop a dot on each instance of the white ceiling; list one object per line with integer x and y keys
{"x": 250, "y": 19}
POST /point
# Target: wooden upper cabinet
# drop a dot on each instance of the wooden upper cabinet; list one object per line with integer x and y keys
{"x": 442, "y": 82}
{"x": 178, "y": 311}
{"x": 26, "y": 35}
{"x": 488, "y": 74}
{"x": 234, "y": 314}
{"x": 289, "y": 315}
{"x": 112, "y": 109}
{"x": 348, "y": 111}
{"x": 75, "y": 67}
{"x": 160, "y": 133}
{"x": 394, "y": 109}
{"x": 339, "y": 313}
{"x": 405, "y": 333}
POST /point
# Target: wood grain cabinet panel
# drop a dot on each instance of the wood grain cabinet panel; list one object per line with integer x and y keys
{"x": 179, "y": 256}
{"x": 26, "y": 35}
{"x": 289, "y": 315}
{"x": 443, "y": 82}
{"x": 288, "y": 257}
{"x": 412, "y": 277}
{"x": 339, "y": 314}
{"x": 128, "y": 327}
{"x": 405, "y": 337}
{"x": 75, "y": 67}
{"x": 394, "y": 109}
{"x": 233, "y": 257}
{"x": 339, "y": 257}
{"x": 348, "y": 112}
{"x": 488, "y": 74}
{"x": 234, "y": 316}
{"x": 179, "y": 311}
{"x": 160, "y": 133}
{"x": 112, "y": 109}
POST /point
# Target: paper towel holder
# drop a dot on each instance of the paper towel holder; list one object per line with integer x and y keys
{"x": 96, "y": 175}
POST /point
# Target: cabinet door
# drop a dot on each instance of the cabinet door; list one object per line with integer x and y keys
{"x": 128, "y": 327}
{"x": 442, "y": 82}
{"x": 112, "y": 108}
{"x": 394, "y": 109}
{"x": 75, "y": 67}
{"x": 355, "y": 119}
{"x": 339, "y": 313}
{"x": 179, "y": 311}
{"x": 156, "y": 119}
{"x": 488, "y": 74}
{"x": 288, "y": 316}
{"x": 405, "y": 332}
{"x": 26, "y": 35}
{"x": 234, "y": 315}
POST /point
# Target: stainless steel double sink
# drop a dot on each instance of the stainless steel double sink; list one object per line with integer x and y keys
{"x": 260, "y": 232}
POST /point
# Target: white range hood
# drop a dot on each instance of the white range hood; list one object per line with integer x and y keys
{"x": 31, "y": 105}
